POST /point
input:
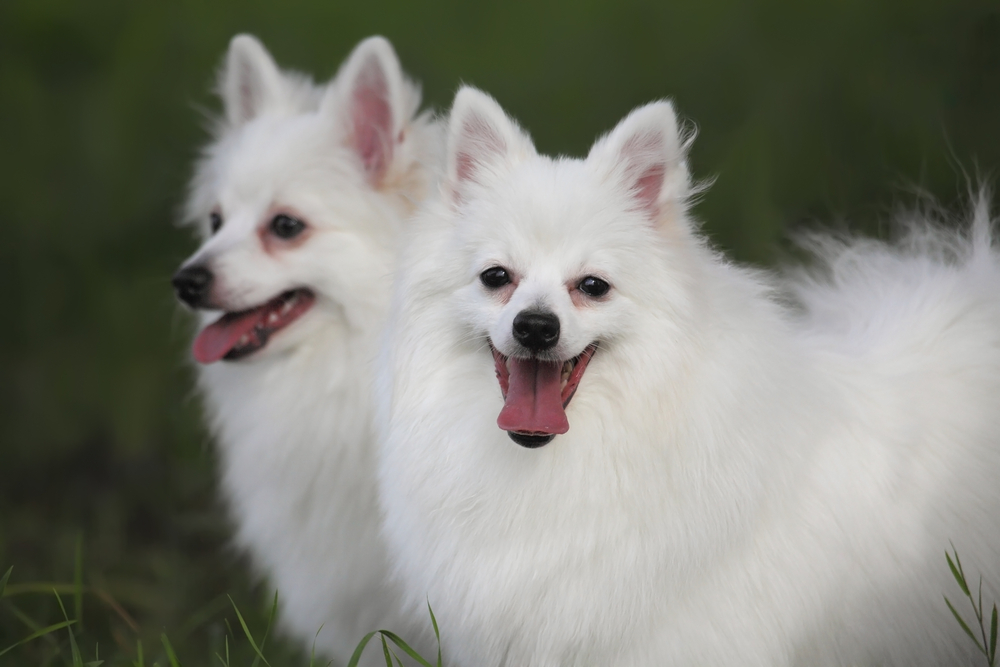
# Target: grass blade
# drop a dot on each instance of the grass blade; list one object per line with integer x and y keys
{"x": 312, "y": 653}
{"x": 96, "y": 662}
{"x": 74, "y": 649}
{"x": 3, "y": 580}
{"x": 965, "y": 627}
{"x": 270, "y": 619}
{"x": 395, "y": 639}
{"x": 224, "y": 661}
{"x": 979, "y": 609}
{"x": 356, "y": 656}
{"x": 78, "y": 581}
{"x": 39, "y": 633}
{"x": 246, "y": 631}
{"x": 139, "y": 662}
{"x": 957, "y": 572}
{"x": 437, "y": 634}
{"x": 385, "y": 652}
{"x": 993, "y": 636}
{"x": 171, "y": 656}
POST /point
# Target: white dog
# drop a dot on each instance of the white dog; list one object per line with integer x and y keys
{"x": 608, "y": 445}
{"x": 299, "y": 199}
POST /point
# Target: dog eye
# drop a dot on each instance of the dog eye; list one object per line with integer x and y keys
{"x": 594, "y": 287}
{"x": 215, "y": 221}
{"x": 495, "y": 277}
{"x": 287, "y": 227}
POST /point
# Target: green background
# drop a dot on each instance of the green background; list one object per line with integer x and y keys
{"x": 807, "y": 111}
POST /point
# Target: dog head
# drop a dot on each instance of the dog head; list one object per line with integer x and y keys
{"x": 565, "y": 260}
{"x": 299, "y": 198}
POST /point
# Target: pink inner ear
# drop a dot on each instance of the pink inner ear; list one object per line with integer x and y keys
{"x": 647, "y": 188}
{"x": 479, "y": 144}
{"x": 645, "y": 170}
{"x": 247, "y": 99}
{"x": 371, "y": 113}
{"x": 465, "y": 167}
{"x": 248, "y": 90}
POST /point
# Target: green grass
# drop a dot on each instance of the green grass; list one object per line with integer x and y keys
{"x": 390, "y": 654}
{"x": 71, "y": 643}
{"x": 83, "y": 623}
{"x": 988, "y": 646}
{"x": 67, "y": 642}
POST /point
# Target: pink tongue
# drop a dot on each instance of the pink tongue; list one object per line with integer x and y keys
{"x": 534, "y": 398}
{"x": 218, "y": 338}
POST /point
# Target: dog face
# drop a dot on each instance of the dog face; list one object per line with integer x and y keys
{"x": 565, "y": 258}
{"x": 298, "y": 200}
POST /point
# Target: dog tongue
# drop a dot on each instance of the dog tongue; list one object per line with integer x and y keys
{"x": 534, "y": 401}
{"x": 218, "y": 338}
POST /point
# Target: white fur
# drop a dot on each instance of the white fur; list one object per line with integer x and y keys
{"x": 293, "y": 421}
{"x": 759, "y": 470}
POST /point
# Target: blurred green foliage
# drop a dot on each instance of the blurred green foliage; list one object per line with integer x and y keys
{"x": 806, "y": 110}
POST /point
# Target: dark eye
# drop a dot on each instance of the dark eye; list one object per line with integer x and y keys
{"x": 287, "y": 227}
{"x": 495, "y": 277}
{"x": 215, "y": 221}
{"x": 594, "y": 287}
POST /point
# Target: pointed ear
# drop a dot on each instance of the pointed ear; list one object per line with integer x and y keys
{"x": 250, "y": 80}
{"x": 374, "y": 98}
{"x": 481, "y": 138}
{"x": 645, "y": 155}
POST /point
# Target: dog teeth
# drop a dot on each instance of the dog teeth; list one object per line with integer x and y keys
{"x": 244, "y": 340}
{"x": 272, "y": 318}
{"x": 567, "y": 370}
{"x": 287, "y": 306}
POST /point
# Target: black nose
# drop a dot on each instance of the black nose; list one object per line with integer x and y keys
{"x": 536, "y": 330}
{"x": 192, "y": 285}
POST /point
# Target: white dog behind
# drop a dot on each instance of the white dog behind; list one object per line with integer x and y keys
{"x": 608, "y": 445}
{"x": 299, "y": 200}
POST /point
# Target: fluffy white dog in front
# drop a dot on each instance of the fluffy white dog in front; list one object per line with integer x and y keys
{"x": 299, "y": 200}
{"x": 606, "y": 444}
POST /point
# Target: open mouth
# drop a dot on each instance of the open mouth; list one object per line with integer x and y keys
{"x": 536, "y": 394}
{"x": 237, "y": 335}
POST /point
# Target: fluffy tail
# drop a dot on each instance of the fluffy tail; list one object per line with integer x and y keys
{"x": 925, "y": 232}
{"x": 982, "y": 227}
{"x": 856, "y": 287}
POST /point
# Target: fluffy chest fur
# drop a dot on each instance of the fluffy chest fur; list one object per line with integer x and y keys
{"x": 294, "y": 459}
